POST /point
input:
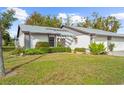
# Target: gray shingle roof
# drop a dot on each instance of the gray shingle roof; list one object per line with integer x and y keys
{"x": 44, "y": 30}
{"x": 94, "y": 31}
{"x": 70, "y": 31}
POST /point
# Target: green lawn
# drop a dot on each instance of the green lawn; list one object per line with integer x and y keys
{"x": 64, "y": 68}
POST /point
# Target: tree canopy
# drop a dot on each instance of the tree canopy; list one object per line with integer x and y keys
{"x": 40, "y": 20}
{"x": 109, "y": 23}
{"x": 6, "y": 19}
{"x": 6, "y": 37}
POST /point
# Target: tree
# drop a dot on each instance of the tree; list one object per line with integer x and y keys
{"x": 40, "y": 20}
{"x": 6, "y": 37}
{"x": 87, "y": 23}
{"x": 109, "y": 23}
{"x": 35, "y": 19}
{"x": 113, "y": 23}
{"x": 6, "y": 19}
{"x": 55, "y": 22}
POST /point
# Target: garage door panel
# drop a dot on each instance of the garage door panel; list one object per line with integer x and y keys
{"x": 119, "y": 43}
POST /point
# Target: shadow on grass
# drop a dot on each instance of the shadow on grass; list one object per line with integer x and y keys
{"x": 20, "y": 65}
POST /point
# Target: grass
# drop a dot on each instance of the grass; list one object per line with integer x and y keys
{"x": 63, "y": 68}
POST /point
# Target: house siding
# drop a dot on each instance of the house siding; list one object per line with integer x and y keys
{"x": 83, "y": 41}
{"x": 21, "y": 39}
{"x": 36, "y": 38}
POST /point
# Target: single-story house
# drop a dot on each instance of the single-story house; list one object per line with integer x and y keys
{"x": 73, "y": 37}
{"x": 28, "y": 35}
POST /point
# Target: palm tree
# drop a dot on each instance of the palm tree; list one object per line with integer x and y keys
{"x": 110, "y": 23}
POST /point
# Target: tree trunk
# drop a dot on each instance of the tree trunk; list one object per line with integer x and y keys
{"x": 2, "y": 68}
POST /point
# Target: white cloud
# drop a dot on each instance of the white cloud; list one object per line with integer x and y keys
{"x": 75, "y": 18}
{"x": 62, "y": 15}
{"x": 118, "y": 15}
{"x": 20, "y": 14}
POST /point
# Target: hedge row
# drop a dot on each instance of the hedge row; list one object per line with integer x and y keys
{"x": 37, "y": 51}
{"x": 79, "y": 50}
{"x": 59, "y": 49}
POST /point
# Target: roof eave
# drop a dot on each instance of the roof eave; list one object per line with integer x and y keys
{"x": 84, "y": 32}
{"x": 40, "y": 33}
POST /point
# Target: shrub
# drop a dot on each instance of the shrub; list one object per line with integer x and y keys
{"x": 59, "y": 49}
{"x": 8, "y": 48}
{"x": 97, "y": 48}
{"x": 79, "y": 50}
{"x": 33, "y": 51}
{"x": 46, "y": 50}
{"x": 59, "y": 44}
{"x": 111, "y": 46}
{"x": 37, "y": 51}
{"x": 41, "y": 44}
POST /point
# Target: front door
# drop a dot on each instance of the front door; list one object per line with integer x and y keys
{"x": 51, "y": 41}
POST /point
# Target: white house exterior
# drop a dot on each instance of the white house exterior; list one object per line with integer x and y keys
{"x": 73, "y": 37}
{"x": 85, "y": 36}
{"x": 28, "y": 35}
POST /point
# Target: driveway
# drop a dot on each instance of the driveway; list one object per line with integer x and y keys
{"x": 116, "y": 53}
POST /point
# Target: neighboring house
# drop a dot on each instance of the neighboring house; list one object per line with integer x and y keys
{"x": 72, "y": 37}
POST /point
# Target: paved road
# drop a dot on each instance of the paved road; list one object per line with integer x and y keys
{"x": 117, "y": 53}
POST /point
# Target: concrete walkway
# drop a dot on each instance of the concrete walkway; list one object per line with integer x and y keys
{"x": 116, "y": 53}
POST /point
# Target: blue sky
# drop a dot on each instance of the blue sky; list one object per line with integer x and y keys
{"x": 77, "y": 13}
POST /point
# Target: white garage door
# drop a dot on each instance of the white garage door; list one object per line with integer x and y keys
{"x": 101, "y": 39}
{"x": 119, "y": 43}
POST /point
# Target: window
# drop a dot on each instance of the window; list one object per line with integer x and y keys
{"x": 51, "y": 41}
{"x": 109, "y": 37}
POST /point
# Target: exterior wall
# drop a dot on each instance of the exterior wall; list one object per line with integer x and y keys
{"x": 119, "y": 43}
{"x": 83, "y": 41}
{"x": 101, "y": 39}
{"x": 38, "y": 37}
{"x": 21, "y": 39}
{"x": 34, "y": 39}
